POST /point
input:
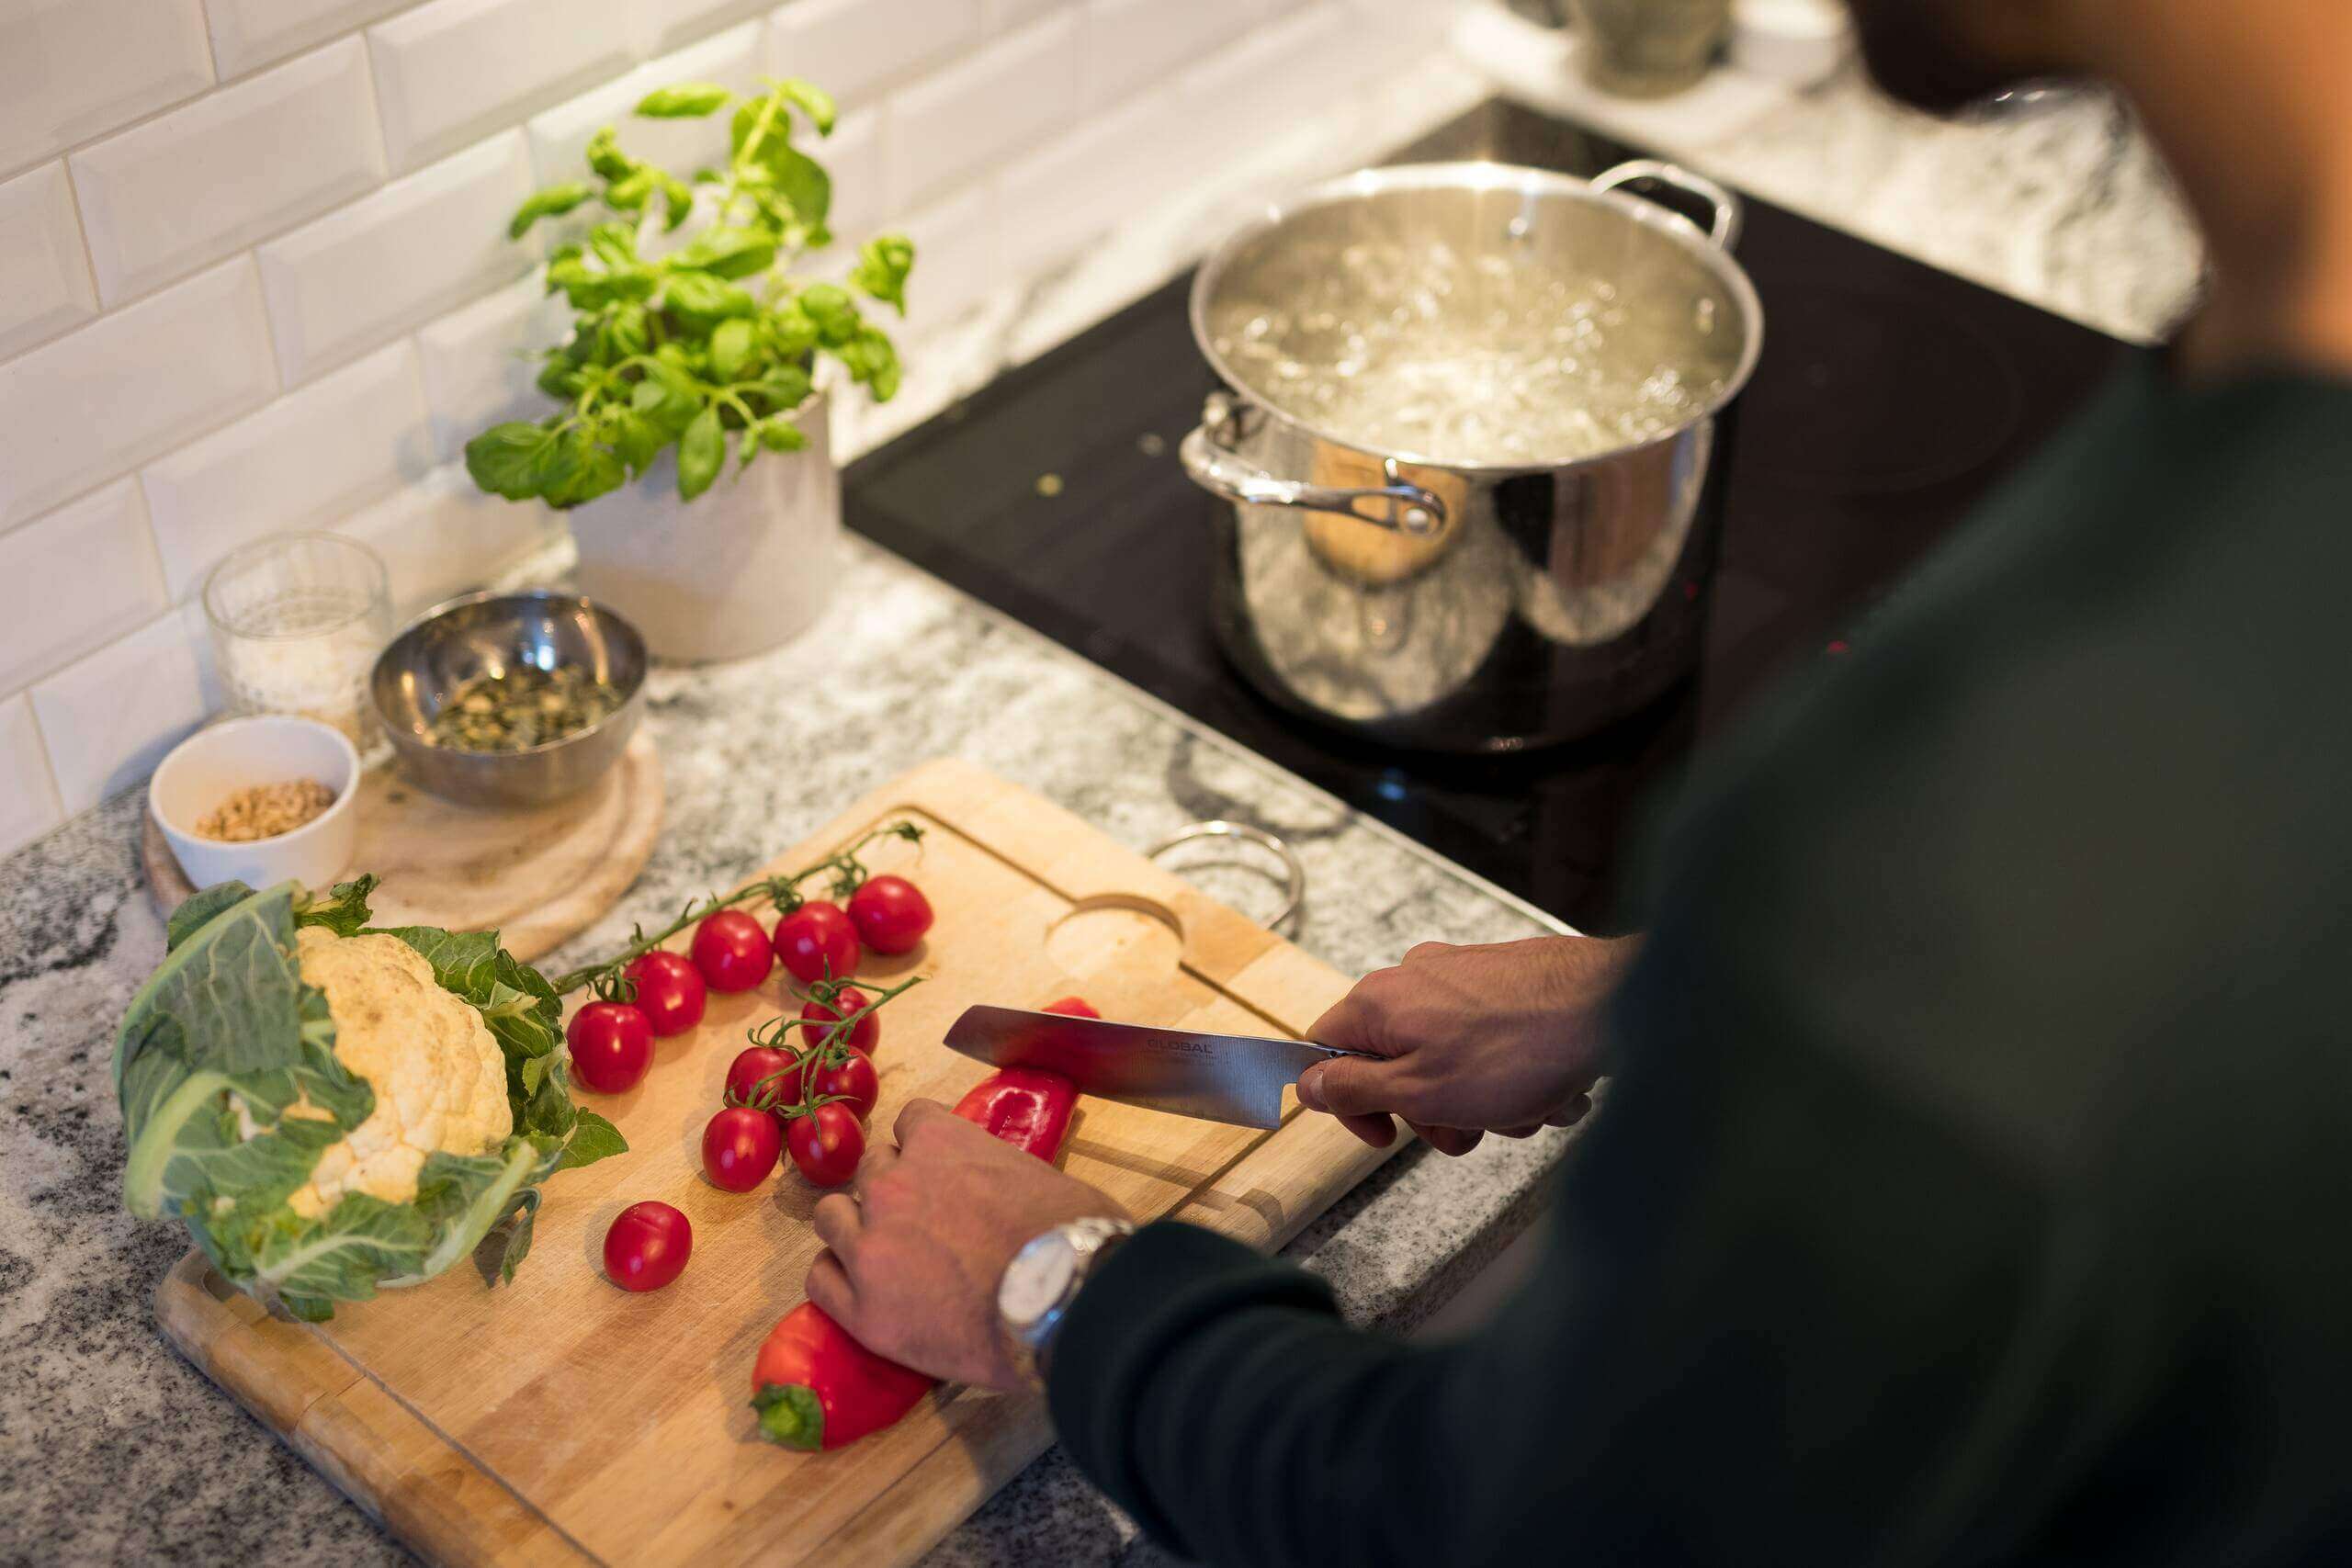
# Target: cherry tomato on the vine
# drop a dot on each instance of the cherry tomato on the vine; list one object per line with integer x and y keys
{"x": 669, "y": 991}
{"x": 890, "y": 913}
{"x": 739, "y": 1148}
{"x": 754, "y": 1064}
{"x": 826, "y": 1143}
{"x": 865, "y": 1034}
{"x": 851, "y": 1076}
{"x": 732, "y": 950}
{"x": 817, "y": 943}
{"x": 612, "y": 1044}
{"x": 647, "y": 1245}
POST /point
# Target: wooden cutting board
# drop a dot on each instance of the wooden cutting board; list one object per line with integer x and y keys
{"x": 538, "y": 877}
{"x": 562, "y": 1419}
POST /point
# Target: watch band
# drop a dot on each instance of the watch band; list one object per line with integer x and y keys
{"x": 1088, "y": 1242}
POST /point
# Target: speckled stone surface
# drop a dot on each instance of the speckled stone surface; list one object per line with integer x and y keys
{"x": 114, "y": 1449}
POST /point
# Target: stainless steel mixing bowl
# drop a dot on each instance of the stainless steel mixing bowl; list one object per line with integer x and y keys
{"x": 484, "y": 634}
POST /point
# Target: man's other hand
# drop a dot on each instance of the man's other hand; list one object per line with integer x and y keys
{"x": 916, "y": 1246}
{"x": 1503, "y": 1038}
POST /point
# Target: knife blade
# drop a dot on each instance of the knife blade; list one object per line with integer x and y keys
{"x": 1237, "y": 1079}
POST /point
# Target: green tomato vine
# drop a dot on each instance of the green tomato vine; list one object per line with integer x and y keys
{"x": 707, "y": 340}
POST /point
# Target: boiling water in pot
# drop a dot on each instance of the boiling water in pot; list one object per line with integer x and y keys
{"x": 1474, "y": 359}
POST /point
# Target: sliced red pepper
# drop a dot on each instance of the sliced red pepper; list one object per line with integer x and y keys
{"x": 816, "y": 1387}
{"x": 1071, "y": 1007}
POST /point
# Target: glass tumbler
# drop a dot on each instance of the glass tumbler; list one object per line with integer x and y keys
{"x": 296, "y": 621}
{"x": 1648, "y": 49}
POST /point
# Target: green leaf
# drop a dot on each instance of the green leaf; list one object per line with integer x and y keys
{"x": 882, "y": 267}
{"x": 198, "y": 911}
{"x": 782, "y": 436}
{"x": 628, "y": 192}
{"x": 637, "y": 440}
{"x": 786, "y": 387}
{"x": 677, "y": 201}
{"x": 789, "y": 330}
{"x": 690, "y": 100}
{"x": 833, "y": 312}
{"x": 814, "y": 101}
{"x": 343, "y": 910}
{"x": 873, "y": 360}
{"x": 590, "y": 468}
{"x": 558, "y": 380}
{"x": 614, "y": 244}
{"x": 631, "y": 331}
{"x": 703, "y": 300}
{"x": 606, "y": 157}
{"x": 728, "y": 252}
{"x": 732, "y": 348}
{"x": 802, "y": 182}
{"x": 702, "y": 451}
{"x": 552, "y": 202}
{"x": 511, "y": 459}
{"x": 593, "y": 1138}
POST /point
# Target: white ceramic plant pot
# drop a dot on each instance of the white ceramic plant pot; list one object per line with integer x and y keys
{"x": 738, "y": 570}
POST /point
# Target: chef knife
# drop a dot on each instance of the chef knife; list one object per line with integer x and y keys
{"x": 1216, "y": 1078}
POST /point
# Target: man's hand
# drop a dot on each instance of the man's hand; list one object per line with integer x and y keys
{"x": 918, "y": 1244}
{"x": 1502, "y": 1038}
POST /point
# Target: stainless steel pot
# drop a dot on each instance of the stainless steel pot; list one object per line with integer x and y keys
{"x": 1475, "y": 599}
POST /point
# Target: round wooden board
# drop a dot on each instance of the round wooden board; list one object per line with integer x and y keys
{"x": 536, "y": 877}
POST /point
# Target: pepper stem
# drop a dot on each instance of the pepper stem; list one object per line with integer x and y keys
{"x": 790, "y": 1414}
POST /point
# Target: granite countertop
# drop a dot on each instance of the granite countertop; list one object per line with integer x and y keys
{"x": 114, "y": 1449}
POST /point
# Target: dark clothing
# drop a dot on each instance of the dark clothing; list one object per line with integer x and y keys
{"x": 1976, "y": 1181}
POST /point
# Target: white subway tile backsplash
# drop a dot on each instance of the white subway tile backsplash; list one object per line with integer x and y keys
{"x": 1004, "y": 16}
{"x": 190, "y": 187}
{"x": 957, "y": 264}
{"x": 853, "y": 49}
{"x": 451, "y": 71}
{"x": 481, "y": 363}
{"x": 560, "y": 137}
{"x": 310, "y": 458}
{"x": 74, "y": 581}
{"x": 102, "y": 399}
{"x": 422, "y": 245}
{"x": 443, "y": 536}
{"x": 28, "y": 804}
{"x": 666, "y": 24}
{"x": 247, "y": 33}
{"x": 44, "y": 278}
{"x": 1251, "y": 90}
{"x": 1132, "y": 44}
{"x": 853, "y": 156}
{"x": 977, "y": 111}
{"x": 1083, "y": 184}
{"x": 70, "y": 70}
{"x": 108, "y": 719}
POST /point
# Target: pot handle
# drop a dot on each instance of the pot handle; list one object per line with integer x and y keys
{"x": 1218, "y": 468}
{"x": 1722, "y": 225}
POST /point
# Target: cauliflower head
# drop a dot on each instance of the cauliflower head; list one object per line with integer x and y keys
{"x": 438, "y": 1075}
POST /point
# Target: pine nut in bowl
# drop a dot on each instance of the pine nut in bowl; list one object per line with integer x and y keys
{"x": 511, "y": 700}
{"x": 242, "y": 801}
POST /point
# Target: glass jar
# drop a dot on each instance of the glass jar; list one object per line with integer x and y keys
{"x": 1648, "y": 49}
{"x": 297, "y": 622}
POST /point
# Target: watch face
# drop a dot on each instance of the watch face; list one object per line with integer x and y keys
{"x": 1036, "y": 1279}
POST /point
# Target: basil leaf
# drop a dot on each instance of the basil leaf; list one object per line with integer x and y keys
{"x": 813, "y": 101}
{"x": 728, "y": 252}
{"x": 702, "y": 451}
{"x": 606, "y": 157}
{"x": 510, "y": 459}
{"x": 702, "y": 300}
{"x": 730, "y": 349}
{"x": 802, "y": 182}
{"x": 690, "y": 100}
{"x": 833, "y": 312}
{"x": 782, "y": 436}
{"x": 677, "y": 200}
{"x": 614, "y": 244}
{"x": 882, "y": 267}
{"x": 552, "y": 202}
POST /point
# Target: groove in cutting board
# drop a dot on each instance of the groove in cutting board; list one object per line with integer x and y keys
{"x": 560, "y": 1417}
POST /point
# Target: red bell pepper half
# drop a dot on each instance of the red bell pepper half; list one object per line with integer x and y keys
{"x": 813, "y": 1385}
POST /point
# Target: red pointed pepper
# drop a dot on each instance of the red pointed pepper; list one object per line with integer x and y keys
{"x": 813, "y": 1385}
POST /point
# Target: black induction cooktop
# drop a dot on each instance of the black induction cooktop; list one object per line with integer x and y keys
{"x": 1889, "y": 397}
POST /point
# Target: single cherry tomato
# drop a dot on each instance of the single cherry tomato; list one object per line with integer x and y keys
{"x": 612, "y": 1044}
{"x": 865, "y": 1034}
{"x": 817, "y": 943}
{"x": 645, "y": 1247}
{"x": 732, "y": 950}
{"x": 890, "y": 913}
{"x": 851, "y": 1078}
{"x": 755, "y": 1063}
{"x": 739, "y": 1148}
{"x": 669, "y": 991}
{"x": 1071, "y": 1007}
{"x": 826, "y": 1143}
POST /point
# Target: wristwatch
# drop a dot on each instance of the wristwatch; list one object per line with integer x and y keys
{"x": 1035, "y": 1295}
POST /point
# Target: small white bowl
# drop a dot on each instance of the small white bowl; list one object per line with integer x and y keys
{"x": 213, "y": 764}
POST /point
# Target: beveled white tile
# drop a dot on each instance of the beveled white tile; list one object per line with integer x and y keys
{"x": 237, "y": 165}
{"x": 1082, "y": 185}
{"x": 1004, "y": 16}
{"x": 451, "y": 71}
{"x": 666, "y": 24}
{"x": 560, "y": 137}
{"x": 962, "y": 120}
{"x": 70, "y": 70}
{"x": 1252, "y": 89}
{"x": 29, "y": 803}
{"x": 44, "y": 278}
{"x": 442, "y": 536}
{"x": 422, "y": 245}
{"x": 108, "y": 719}
{"x": 306, "y": 462}
{"x": 854, "y": 48}
{"x": 482, "y": 363}
{"x": 853, "y": 156}
{"x": 247, "y": 33}
{"x": 1132, "y": 45}
{"x": 104, "y": 399}
{"x": 957, "y": 264}
{"x": 75, "y": 579}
